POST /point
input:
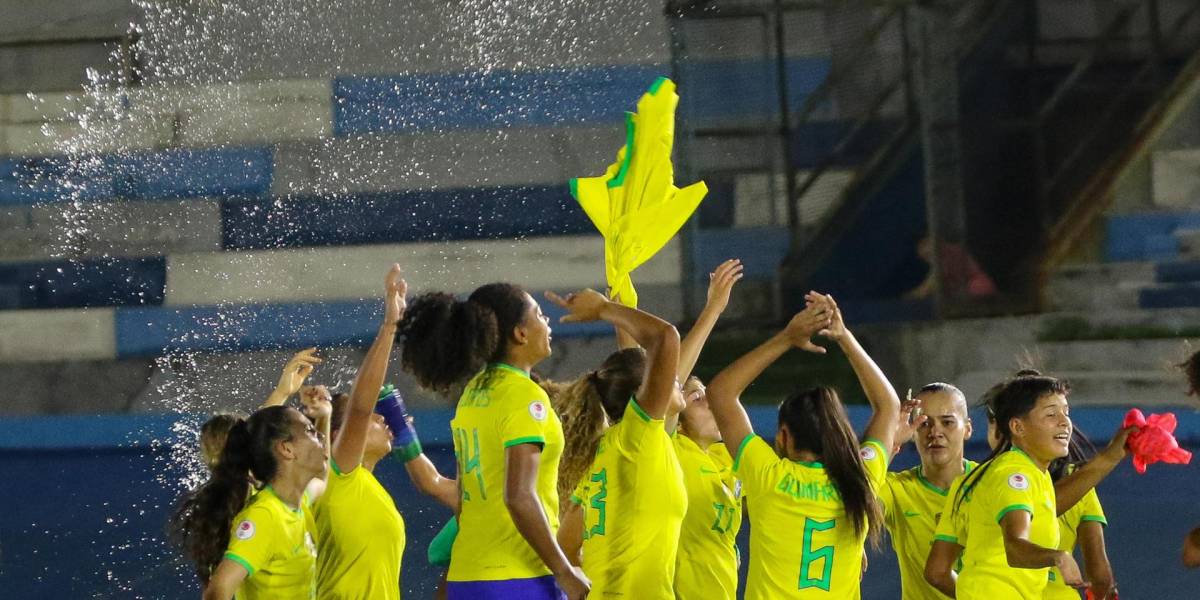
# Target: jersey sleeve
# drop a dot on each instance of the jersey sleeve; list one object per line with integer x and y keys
{"x": 253, "y": 539}
{"x": 875, "y": 459}
{"x": 1012, "y": 489}
{"x": 887, "y": 499}
{"x": 526, "y": 416}
{"x": 752, "y": 464}
{"x": 1090, "y": 509}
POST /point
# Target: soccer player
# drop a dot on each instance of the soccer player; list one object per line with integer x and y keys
{"x": 706, "y": 566}
{"x": 1006, "y": 507}
{"x": 811, "y": 497}
{"x": 913, "y": 499}
{"x": 264, "y": 549}
{"x": 360, "y": 531}
{"x": 631, "y": 502}
{"x": 507, "y": 440}
{"x": 1083, "y": 523}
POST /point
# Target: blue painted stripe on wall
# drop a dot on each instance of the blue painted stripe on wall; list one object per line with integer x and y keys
{"x": 246, "y": 327}
{"x": 174, "y": 173}
{"x": 497, "y": 98}
{"x": 112, "y": 431}
{"x": 1146, "y": 236}
{"x": 761, "y": 250}
{"x": 722, "y": 89}
{"x": 83, "y": 283}
{"x": 460, "y": 214}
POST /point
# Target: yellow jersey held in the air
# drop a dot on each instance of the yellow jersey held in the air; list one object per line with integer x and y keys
{"x": 634, "y": 501}
{"x": 802, "y": 544}
{"x": 500, "y": 408}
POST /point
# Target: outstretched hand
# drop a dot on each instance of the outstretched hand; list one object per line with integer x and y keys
{"x": 805, "y": 324}
{"x": 297, "y": 369}
{"x": 395, "y": 289}
{"x": 909, "y": 422}
{"x": 316, "y": 401}
{"x": 582, "y": 306}
{"x": 720, "y": 284}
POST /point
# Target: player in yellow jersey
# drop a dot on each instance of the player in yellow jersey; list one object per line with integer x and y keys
{"x": 265, "y": 550}
{"x": 630, "y": 505}
{"x": 1084, "y": 524}
{"x": 1006, "y": 508}
{"x": 507, "y": 440}
{"x": 811, "y": 497}
{"x": 913, "y": 499}
{"x": 361, "y": 532}
{"x": 706, "y": 566}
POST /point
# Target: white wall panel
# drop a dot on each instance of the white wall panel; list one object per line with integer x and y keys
{"x": 39, "y": 335}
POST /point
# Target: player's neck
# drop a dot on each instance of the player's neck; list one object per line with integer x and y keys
{"x": 943, "y": 475}
{"x": 290, "y": 489}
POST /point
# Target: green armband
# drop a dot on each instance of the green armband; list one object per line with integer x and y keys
{"x": 408, "y": 451}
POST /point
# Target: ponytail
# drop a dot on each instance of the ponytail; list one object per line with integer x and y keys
{"x": 818, "y": 423}
{"x": 202, "y": 521}
{"x": 447, "y": 340}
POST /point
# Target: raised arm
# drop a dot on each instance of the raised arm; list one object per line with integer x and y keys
{"x": 720, "y": 284}
{"x": 726, "y": 388}
{"x": 658, "y": 337}
{"x": 1069, "y": 490}
{"x": 352, "y": 436}
{"x": 885, "y": 404}
{"x": 297, "y": 369}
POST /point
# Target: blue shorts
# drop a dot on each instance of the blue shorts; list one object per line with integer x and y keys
{"x": 536, "y": 588}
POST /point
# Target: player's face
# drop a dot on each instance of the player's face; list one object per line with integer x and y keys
{"x": 1045, "y": 433}
{"x": 537, "y": 330}
{"x": 379, "y": 438}
{"x": 305, "y": 446}
{"x": 697, "y": 417}
{"x": 940, "y": 439}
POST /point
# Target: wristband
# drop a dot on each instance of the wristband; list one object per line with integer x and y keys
{"x": 405, "y": 445}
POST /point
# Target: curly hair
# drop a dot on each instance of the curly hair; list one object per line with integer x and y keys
{"x": 447, "y": 340}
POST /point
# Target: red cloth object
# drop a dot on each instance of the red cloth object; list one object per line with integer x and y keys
{"x": 1091, "y": 597}
{"x": 1154, "y": 440}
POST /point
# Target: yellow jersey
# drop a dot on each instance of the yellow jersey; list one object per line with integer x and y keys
{"x": 362, "y": 538}
{"x": 912, "y": 507}
{"x": 634, "y": 501}
{"x": 274, "y": 543}
{"x": 1012, "y": 482}
{"x": 500, "y": 407}
{"x": 1087, "y": 509}
{"x": 706, "y": 566}
{"x": 802, "y": 545}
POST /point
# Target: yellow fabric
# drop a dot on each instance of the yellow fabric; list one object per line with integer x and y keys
{"x": 706, "y": 567}
{"x": 500, "y": 407}
{"x": 635, "y": 204}
{"x": 1087, "y": 509}
{"x": 275, "y": 545}
{"x": 1012, "y": 482}
{"x": 634, "y": 501}
{"x": 362, "y": 538}
{"x": 802, "y": 545}
{"x": 912, "y": 507}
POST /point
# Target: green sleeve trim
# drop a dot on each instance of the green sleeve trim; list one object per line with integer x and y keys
{"x": 619, "y": 179}
{"x": 1008, "y": 509}
{"x": 333, "y": 465}
{"x": 945, "y": 538}
{"x": 241, "y": 561}
{"x": 879, "y": 444}
{"x": 637, "y": 408}
{"x": 1096, "y": 518}
{"x": 530, "y": 439}
{"x": 574, "y": 188}
{"x": 576, "y": 499}
{"x": 658, "y": 83}
{"x": 407, "y": 452}
{"x": 737, "y": 458}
